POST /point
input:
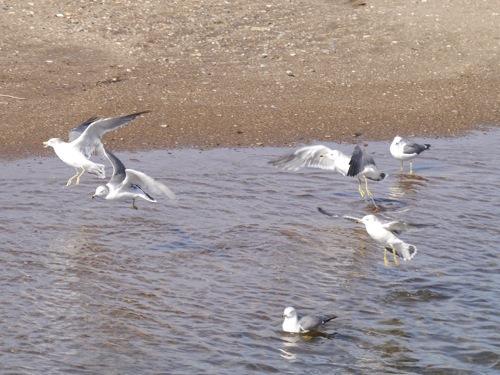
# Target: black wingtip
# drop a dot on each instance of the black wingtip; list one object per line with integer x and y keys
{"x": 330, "y": 318}
{"x": 324, "y": 212}
{"x": 139, "y": 113}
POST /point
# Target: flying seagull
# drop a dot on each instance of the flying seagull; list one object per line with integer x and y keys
{"x": 404, "y": 151}
{"x": 385, "y": 235}
{"x": 359, "y": 164}
{"x": 84, "y": 141}
{"x": 296, "y": 324}
{"x": 130, "y": 184}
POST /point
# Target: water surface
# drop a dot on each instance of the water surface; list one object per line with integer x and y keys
{"x": 198, "y": 286}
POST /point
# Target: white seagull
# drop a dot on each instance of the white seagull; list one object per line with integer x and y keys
{"x": 359, "y": 164}
{"x": 404, "y": 151}
{"x": 130, "y": 184}
{"x": 385, "y": 235}
{"x": 296, "y": 324}
{"x": 84, "y": 141}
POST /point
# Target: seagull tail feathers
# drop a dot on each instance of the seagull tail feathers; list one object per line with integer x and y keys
{"x": 406, "y": 251}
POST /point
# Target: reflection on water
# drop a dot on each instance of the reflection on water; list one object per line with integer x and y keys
{"x": 406, "y": 184}
{"x": 199, "y": 286}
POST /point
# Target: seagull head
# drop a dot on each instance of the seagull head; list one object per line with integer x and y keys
{"x": 397, "y": 140}
{"x": 101, "y": 191}
{"x": 289, "y": 312}
{"x": 368, "y": 219}
{"x": 52, "y": 142}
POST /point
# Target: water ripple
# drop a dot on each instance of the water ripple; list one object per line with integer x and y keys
{"x": 199, "y": 286}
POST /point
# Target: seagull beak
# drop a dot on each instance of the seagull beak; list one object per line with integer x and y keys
{"x": 93, "y": 196}
{"x": 359, "y": 221}
{"x": 46, "y": 144}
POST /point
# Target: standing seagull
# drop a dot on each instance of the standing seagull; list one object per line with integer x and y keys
{"x": 322, "y": 157}
{"x": 385, "y": 235}
{"x": 363, "y": 165}
{"x": 296, "y": 324}
{"x": 130, "y": 184}
{"x": 403, "y": 151}
{"x": 84, "y": 141}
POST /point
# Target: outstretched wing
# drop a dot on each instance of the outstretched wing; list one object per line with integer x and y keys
{"x": 398, "y": 227}
{"x": 90, "y": 139}
{"x": 77, "y": 131}
{"x": 309, "y": 156}
{"x": 359, "y": 161}
{"x": 119, "y": 172}
{"x": 148, "y": 183}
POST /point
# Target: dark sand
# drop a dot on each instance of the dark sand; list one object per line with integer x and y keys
{"x": 246, "y": 73}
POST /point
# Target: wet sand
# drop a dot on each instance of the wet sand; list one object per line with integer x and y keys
{"x": 246, "y": 74}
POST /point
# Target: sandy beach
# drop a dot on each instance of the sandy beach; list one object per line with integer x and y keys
{"x": 245, "y": 74}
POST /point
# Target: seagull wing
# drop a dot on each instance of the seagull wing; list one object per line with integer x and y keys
{"x": 355, "y": 219}
{"x": 76, "y": 132}
{"x": 415, "y": 148}
{"x": 309, "y": 156}
{"x": 147, "y": 183}
{"x": 359, "y": 161}
{"x": 398, "y": 227}
{"x": 90, "y": 139}
{"x": 119, "y": 172}
{"x": 310, "y": 322}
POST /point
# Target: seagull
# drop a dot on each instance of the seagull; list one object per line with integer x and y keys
{"x": 403, "y": 151}
{"x": 363, "y": 165}
{"x": 385, "y": 235}
{"x": 359, "y": 164}
{"x": 130, "y": 184}
{"x": 84, "y": 141}
{"x": 296, "y": 324}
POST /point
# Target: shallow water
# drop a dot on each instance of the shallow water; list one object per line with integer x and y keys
{"x": 198, "y": 286}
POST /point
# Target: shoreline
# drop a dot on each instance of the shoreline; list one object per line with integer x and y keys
{"x": 245, "y": 75}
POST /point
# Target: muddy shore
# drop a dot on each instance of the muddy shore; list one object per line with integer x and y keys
{"x": 239, "y": 73}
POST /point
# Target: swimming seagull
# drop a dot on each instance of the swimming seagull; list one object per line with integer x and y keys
{"x": 130, "y": 184}
{"x": 404, "y": 151}
{"x": 296, "y": 324}
{"x": 84, "y": 141}
{"x": 385, "y": 235}
{"x": 322, "y": 157}
{"x": 363, "y": 165}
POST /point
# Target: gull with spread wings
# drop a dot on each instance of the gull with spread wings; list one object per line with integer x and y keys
{"x": 130, "y": 184}
{"x": 85, "y": 141}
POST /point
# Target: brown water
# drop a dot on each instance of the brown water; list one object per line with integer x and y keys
{"x": 199, "y": 286}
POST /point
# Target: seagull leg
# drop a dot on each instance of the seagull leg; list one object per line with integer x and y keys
{"x": 402, "y": 162}
{"x": 71, "y": 179}
{"x": 133, "y": 204}
{"x": 361, "y": 192}
{"x": 396, "y": 261}
{"x": 411, "y": 167}
{"x": 80, "y": 175}
{"x": 386, "y": 261}
{"x": 366, "y": 185}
